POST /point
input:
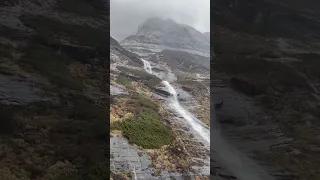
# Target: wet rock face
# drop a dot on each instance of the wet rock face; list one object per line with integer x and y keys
{"x": 156, "y": 69}
{"x": 133, "y": 78}
{"x": 162, "y": 92}
{"x": 17, "y": 91}
{"x": 115, "y": 90}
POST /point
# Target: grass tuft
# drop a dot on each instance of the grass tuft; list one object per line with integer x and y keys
{"x": 124, "y": 81}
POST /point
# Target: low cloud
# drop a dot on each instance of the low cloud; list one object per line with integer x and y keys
{"x": 126, "y": 15}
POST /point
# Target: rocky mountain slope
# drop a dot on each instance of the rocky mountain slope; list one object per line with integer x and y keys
{"x": 207, "y": 35}
{"x": 54, "y": 89}
{"x": 156, "y": 34}
{"x": 183, "y": 61}
{"x": 116, "y": 48}
{"x": 265, "y": 72}
{"x": 158, "y": 143}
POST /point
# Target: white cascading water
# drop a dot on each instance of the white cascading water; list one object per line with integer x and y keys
{"x": 199, "y": 128}
{"x": 147, "y": 66}
{"x": 237, "y": 163}
{"x": 194, "y": 122}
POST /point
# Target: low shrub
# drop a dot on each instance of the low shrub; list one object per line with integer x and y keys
{"x": 146, "y": 131}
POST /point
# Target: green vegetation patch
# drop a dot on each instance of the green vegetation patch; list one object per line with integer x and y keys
{"x": 54, "y": 66}
{"x": 83, "y": 35}
{"x": 124, "y": 81}
{"x": 143, "y": 102}
{"x": 145, "y": 129}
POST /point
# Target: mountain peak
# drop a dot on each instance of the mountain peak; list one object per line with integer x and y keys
{"x": 167, "y": 32}
{"x": 156, "y": 23}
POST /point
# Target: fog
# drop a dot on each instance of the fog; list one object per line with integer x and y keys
{"x": 126, "y": 15}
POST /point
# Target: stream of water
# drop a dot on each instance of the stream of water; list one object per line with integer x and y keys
{"x": 195, "y": 123}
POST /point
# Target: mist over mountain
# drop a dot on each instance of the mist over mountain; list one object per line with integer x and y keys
{"x": 207, "y": 34}
{"x": 157, "y": 34}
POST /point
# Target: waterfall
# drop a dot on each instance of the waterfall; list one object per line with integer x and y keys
{"x": 195, "y": 123}
{"x": 147, "y": 66}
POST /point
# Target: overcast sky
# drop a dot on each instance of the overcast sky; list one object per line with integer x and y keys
{"x": 126, "y": 15}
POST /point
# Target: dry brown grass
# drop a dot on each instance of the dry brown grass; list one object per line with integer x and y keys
{"x": 165, "y": 159}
